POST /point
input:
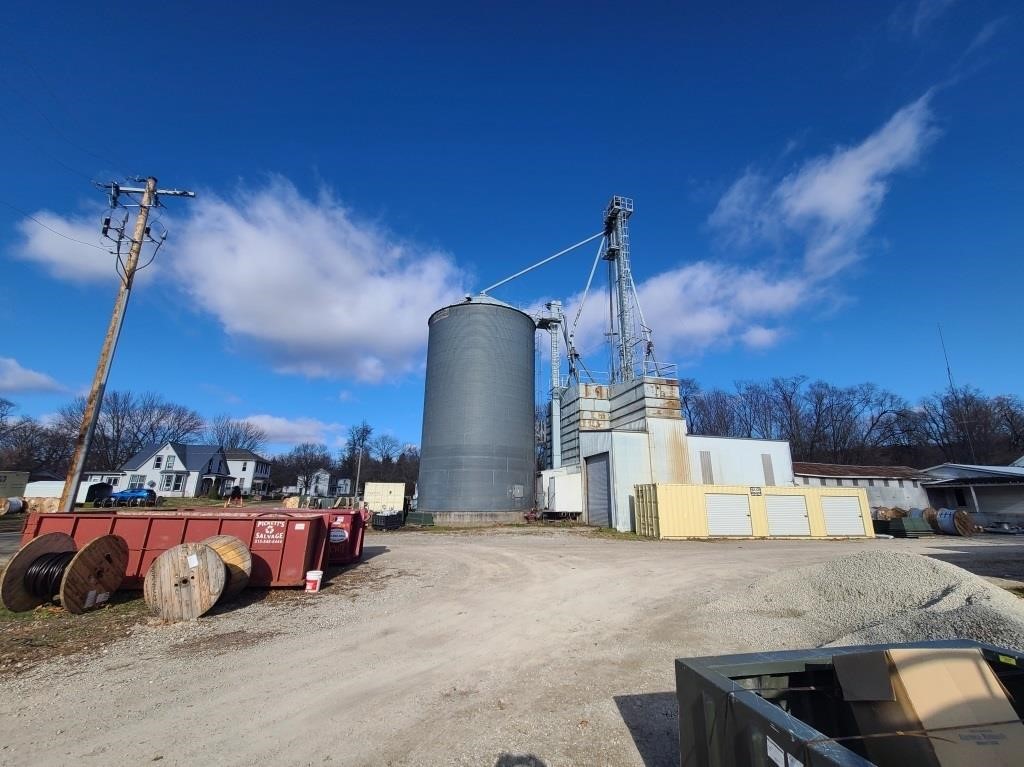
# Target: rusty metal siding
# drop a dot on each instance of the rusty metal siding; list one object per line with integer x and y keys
{"x": 477, "y": 449}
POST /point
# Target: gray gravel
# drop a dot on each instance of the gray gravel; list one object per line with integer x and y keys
{"x": 870, "y": 597}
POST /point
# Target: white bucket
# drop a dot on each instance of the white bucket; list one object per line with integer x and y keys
{"x": 313, "y": 578}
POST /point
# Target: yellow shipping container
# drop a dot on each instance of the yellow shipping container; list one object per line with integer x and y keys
{"x": 384, "y": 496}
{"x": 733, "y": 511}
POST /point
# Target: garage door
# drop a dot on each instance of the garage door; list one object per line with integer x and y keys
{"x": 787, "y": 515}
{"x": 728, "y": 514}
{"x": 599, "y": 503}
{"x": 842, "y": 515}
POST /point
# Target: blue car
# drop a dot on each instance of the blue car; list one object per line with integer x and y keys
{"x": 139, "y": 497}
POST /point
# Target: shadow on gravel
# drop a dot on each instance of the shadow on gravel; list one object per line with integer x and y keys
{"x": 369, "y": 552}
{"x": 653, "y": 721}
{"x": 999, "y": 561}
{"x": 519, "y": 760}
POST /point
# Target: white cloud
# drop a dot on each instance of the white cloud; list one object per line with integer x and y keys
{"x": 759, "y": 337}
{"x": 299, "y": 282}
{"x": 292, "y": 431}
{"x": 815, "y": 220}
{"x": 308, "y": 286}
{"x": 62, "y": 258}
{"x": 830, "y": 202}
{"x": 699, "y": 306}
{"x": 926, "y": 13}
{"x": 15, "y": 378}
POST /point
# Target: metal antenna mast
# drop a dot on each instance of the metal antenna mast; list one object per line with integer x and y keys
{"x": 150, "y": 198}
{"x": 620, "y": 278}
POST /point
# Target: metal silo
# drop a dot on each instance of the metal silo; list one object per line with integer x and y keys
{"x": 477, "y": 452}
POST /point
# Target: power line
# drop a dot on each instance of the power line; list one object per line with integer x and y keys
{"x": 53, "y": 126}
{"x": 32, "y": 218}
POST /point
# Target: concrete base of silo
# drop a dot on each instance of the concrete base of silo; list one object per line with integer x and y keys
{"x": 476, "y": 518}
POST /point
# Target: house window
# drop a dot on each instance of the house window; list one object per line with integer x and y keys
{"x": 178, "y": 479}
{"x": 900, "y": 482}
{"x": 871, "y": 483}
{"x": 885, "y": 482}
{"x": 914, "y": 483}
{"x": 839, "y": 482}
{"x": 157, "y": 461}
{"x": 807, "y": 480}
{"x": 822, "y": 481}
{"x": 245, "y": 464}
{"x": 165, "y": 482}
{"x": 136, "y": 481}
{"x": 170, "y": 463}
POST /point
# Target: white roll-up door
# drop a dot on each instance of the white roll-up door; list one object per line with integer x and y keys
{"x": 728, "y": 514}
{"x": 599, "y": 491}
{"x": 842, "y": 515}
{"x": 787, "y": 515}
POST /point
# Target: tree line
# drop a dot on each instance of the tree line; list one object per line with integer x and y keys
{"x": 861, "y": 424}
{"x": 364, "y": 457}
{"x": 128, "y": 422}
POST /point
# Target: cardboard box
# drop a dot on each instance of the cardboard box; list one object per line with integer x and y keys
{"x": 952, "y": 694}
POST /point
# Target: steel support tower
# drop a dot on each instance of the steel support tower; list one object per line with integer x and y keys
{"x": 623, "y": 332}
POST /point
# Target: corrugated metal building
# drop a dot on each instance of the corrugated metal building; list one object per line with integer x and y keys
{"x": 886, "y": 486}
{"x": 994, "y": 494}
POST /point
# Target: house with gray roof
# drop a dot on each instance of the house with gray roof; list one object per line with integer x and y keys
{"x": 179, "y": 470}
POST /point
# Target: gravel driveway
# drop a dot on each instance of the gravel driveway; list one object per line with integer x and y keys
{"x": 497, "y": 648}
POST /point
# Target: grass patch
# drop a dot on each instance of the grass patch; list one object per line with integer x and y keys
{"x": 30, "y": 638}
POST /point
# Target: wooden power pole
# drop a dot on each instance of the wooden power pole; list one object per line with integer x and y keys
{"x": 150, "y": 197}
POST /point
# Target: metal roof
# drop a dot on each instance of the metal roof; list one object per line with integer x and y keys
{"x": 193, "y": 457}
{"x": 840, "y": 470}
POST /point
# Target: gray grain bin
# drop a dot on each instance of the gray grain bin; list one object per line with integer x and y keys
{"x": 477, "y": 453}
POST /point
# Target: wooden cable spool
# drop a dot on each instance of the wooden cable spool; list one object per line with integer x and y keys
{"x": 237, "y": 563}
{"x": 11, "y": 506}
{"x": 93, "y": 574}
{"x": 184, "y": 582}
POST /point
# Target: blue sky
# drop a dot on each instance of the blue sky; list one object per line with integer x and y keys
{"x": 816, "y": 186}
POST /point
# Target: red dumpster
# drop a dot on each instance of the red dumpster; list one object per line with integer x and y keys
{"x": 285, "y": 543}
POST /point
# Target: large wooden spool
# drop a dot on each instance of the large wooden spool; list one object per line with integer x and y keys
{"x": 13, "y": 594}
{"x": 184, "y": 582}
{"x": 95, "y": 572}
{"x": 237, "y": 561}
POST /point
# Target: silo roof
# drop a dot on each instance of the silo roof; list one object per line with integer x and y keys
{"x": 481, "y": 298}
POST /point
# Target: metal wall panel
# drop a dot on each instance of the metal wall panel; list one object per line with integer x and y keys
{"x": 477, "y": 451}
{"x": 728, "y": 514}
{"x": 787, "y": 515}
{"x": 842, "y": 515}
{"x": 599, "y": 491}
{"x": 769, "y": 470}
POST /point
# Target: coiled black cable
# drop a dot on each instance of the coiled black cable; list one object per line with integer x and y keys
{"x": 43, "y": 577}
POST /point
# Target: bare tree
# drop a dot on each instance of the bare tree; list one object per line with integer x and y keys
{"x": 304, "y": 460}
{"x": 128, "y": 422}
{"x": 385, "y": 448}
{"x": 225, "y": 431}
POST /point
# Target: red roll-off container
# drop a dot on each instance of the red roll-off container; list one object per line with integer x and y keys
{"x": 285, "y": 543}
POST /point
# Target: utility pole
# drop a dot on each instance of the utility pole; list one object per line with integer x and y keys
{"x": 150, "y": 198}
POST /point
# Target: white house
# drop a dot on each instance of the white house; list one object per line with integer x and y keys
{"x": 178, "y": 470}
{"x": 319, "y": 485}
{"x": 251, "y": 471}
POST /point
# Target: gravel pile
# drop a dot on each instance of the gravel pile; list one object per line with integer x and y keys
{"x": 870, "y": 597}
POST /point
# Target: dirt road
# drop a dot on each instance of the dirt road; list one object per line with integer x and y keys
{"x": 498, "y": 648}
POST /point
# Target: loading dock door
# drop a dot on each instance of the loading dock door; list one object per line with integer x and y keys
{"x": 787, "y": 515}
{"x": 599, "y": 491}
{"x": 842, "y": 515}
{"x": 728, "y": 514}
